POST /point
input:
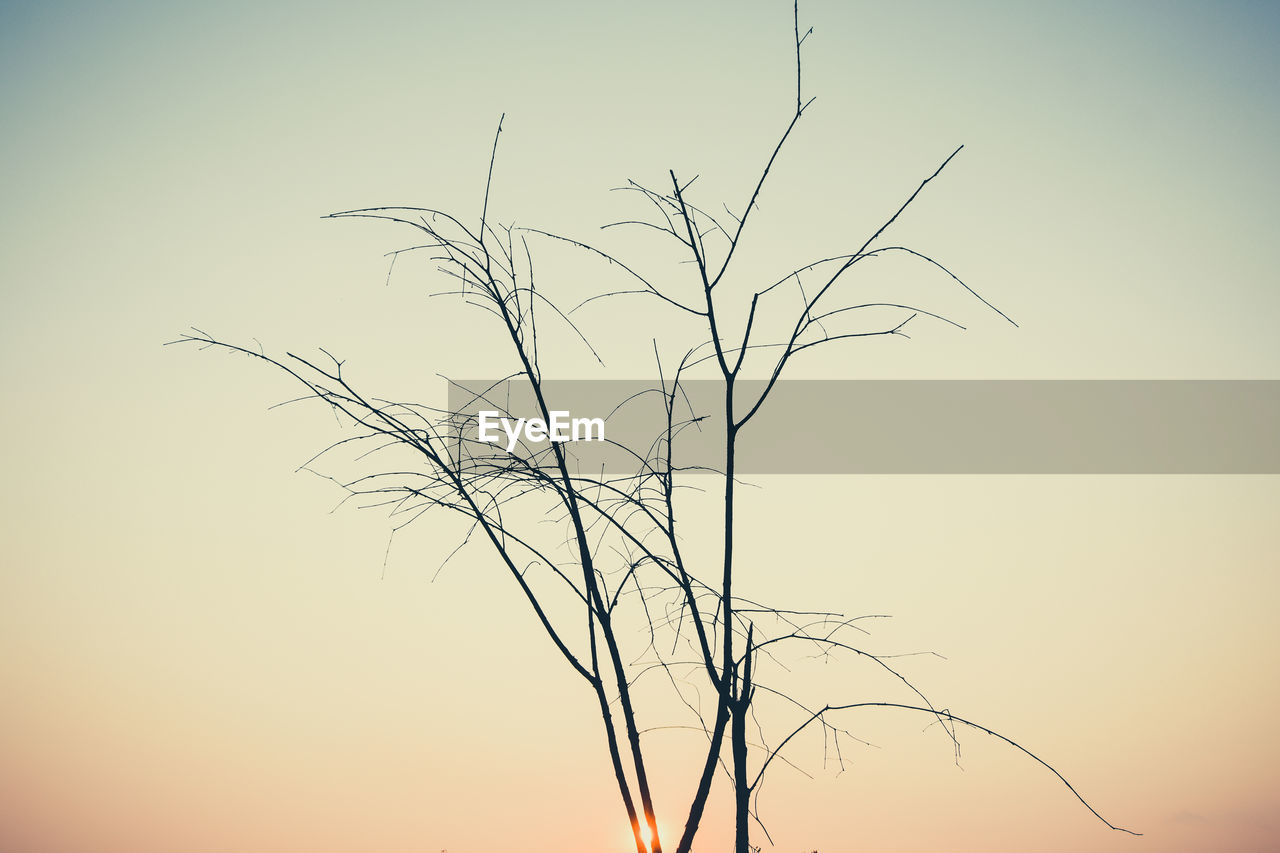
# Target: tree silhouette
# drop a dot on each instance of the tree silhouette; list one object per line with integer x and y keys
{"x": 613, "y": 567}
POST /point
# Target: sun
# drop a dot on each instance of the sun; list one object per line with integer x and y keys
{"x": 646, "y": 836}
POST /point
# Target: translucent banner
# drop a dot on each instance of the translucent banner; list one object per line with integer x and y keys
{"x": 883, "y": 426}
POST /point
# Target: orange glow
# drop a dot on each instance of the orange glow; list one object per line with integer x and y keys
{"x": 646, "y": 836}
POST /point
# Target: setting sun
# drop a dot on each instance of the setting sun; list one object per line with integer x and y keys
{"x": 646, "y": 835}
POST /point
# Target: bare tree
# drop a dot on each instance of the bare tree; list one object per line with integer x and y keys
{"x": 614, "y": 568}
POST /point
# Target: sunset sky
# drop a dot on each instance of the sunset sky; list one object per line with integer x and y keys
{"x": 199, "y": 653}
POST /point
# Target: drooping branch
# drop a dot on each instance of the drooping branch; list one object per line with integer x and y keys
{"x": 950, "y": 717}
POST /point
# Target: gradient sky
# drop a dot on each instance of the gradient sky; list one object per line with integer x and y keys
{"x": 197, "y": 655}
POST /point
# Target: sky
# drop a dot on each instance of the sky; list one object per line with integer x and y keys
{"x": 199, "y": 652}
